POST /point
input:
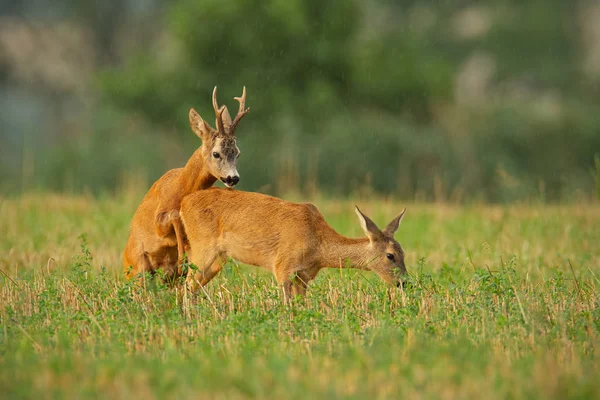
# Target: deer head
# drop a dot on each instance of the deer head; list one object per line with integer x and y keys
{"x": 384, "y": 254}
{"x": 219, "y": 148}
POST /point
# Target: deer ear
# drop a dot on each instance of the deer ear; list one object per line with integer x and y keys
{"x": 199, "y": 126}
{"x": 392, "y": 227}
{"x": 368, "y": 226}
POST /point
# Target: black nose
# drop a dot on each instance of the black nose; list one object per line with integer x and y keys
{"x": 231, "y": 180}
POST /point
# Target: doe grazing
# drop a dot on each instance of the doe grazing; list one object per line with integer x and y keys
{"x": 292, "y": 240}
{"x": 156, "y": 238}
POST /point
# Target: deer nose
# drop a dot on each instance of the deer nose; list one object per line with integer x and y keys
{"x": 231, "y": 180}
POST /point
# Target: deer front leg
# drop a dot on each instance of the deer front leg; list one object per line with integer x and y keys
{"x": 287, "y": 291}
{"x": 299, "y": 284}
{"x": 301, "y": 280}
{"x": 298, "y": 288}
{"x": 282, "y": 275}
{"x": 140, "y": 269}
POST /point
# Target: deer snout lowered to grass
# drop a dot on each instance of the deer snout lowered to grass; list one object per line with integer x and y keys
{"x": 156, "y": 238}
{"x": 292, "y": 240}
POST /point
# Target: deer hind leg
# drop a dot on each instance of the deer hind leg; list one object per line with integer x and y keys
{"x": 208, "y": 267}
{"x": 208, "y": 274}
{"x": 165, "y": 223}
{"x": 180, "y": 235}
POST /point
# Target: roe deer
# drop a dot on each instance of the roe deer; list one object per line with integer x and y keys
{"x": 156, "y": 238}
{"x": 290, "y": 239}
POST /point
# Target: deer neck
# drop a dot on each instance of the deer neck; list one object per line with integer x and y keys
{"x": 338, "y": 251}
{"x": 195, "y": 175}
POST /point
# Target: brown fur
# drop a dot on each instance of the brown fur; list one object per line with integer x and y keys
{"x": 289, "y": 239}
{"x": 156, "y": 238}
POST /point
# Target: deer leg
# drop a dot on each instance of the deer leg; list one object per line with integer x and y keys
{"x": 203, "y": 260}
{"x": 299, "y": 289}
{"x": 128, "y": 266}
{"x": 300, "y": 282}
{"x": 287, "y": 291}
{"x": 282, "y": 275}
{"x": 179, "y": 234}
{"x": 164, "y": 222}
{"x": 208, "y": 274}
{"x": 140, "y": 268}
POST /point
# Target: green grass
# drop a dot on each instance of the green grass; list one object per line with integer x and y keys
{"x": 504, "y": 304}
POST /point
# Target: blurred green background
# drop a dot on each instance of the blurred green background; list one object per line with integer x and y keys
{"x": 418, "y": 99}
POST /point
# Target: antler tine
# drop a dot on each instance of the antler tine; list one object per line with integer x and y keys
{"x": 241, "y": 100}
{"x": 220, "y": 126}
{"x": 242, "y": 110}
{"x": 218, "y": 112}
{"x": 214, "y": 100}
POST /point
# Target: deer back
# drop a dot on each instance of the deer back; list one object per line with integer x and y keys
{"x": 251, "y": 227}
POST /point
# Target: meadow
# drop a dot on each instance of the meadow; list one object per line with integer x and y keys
{"x": 503, "y": 303}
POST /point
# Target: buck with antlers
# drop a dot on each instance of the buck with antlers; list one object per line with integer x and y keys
{"x": 290, "y": 239}
{"x": 156, "y": 238}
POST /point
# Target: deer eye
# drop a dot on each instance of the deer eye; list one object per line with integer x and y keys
{"x": 390, "y": 256}
{"x": 216, "y": 155}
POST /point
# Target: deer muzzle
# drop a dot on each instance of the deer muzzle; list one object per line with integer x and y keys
{"x": 231, "y": 180}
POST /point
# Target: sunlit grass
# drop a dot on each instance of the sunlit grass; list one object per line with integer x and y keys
{"x": 503, "y": 304}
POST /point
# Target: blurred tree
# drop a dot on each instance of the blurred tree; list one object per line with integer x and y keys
{"x": 104, "y": 18}
{"x": 301, "y": 58}
{"x": 419, "y": 98}
{"x": 304, "y": 63}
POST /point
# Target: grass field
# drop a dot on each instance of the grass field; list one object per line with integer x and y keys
{"x": 504, "y": 304}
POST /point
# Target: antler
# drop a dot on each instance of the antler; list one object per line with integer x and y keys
{"x": 219, "y": 113}
{"x": 241, "y": 111}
